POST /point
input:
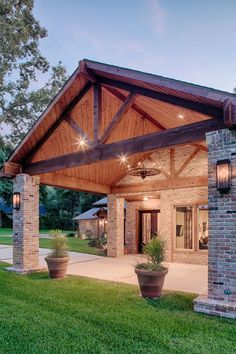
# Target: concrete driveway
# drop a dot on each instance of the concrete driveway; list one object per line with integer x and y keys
{"x": 182, "y": 277}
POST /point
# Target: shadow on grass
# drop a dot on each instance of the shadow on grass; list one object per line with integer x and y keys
{"x": 173, "y": 301}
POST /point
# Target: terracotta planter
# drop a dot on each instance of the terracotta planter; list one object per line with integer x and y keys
{"x": 151, "y": 283}
{"x": 57, "y": 267}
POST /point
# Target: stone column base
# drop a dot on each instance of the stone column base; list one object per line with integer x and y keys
{"x": 214, "y": 307}
{"x": 25, "y": 271}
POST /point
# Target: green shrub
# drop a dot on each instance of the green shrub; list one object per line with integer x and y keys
{"x": 156, "y": 252}
{"x": 89, "y": 235}
{"x": 55, "y": 232}
{"x": 59, "y": 246}
{"x": 70, "y": 234}
{"x": 93, "y": 242}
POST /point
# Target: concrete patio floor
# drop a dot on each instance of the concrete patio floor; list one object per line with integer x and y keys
{"x": 182, "y": 277}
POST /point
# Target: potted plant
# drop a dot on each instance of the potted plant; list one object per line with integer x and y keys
{"x": 151, "y": 275}
{"x": 58, "y": 259}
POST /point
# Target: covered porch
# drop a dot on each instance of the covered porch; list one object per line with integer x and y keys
{"x": 108, "y": 120}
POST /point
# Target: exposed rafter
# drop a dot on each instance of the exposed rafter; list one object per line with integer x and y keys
{"x": 203, "y": 108}
{"x": 117, "y": 117}
{"x": 116, "y": 93}
{"x": 175, "y": 136}
{"x": 73, "y": 103}
{"x": 78, "y": 129}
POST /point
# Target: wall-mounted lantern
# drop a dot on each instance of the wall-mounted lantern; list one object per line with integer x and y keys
{"x": 16, "y": 200}
{"x": 223, "y": 176}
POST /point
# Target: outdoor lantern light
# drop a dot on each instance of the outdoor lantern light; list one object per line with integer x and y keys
{"x": 223, "y": 175}
{"x": 16, "y": 200}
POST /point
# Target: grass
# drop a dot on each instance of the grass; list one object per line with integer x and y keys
{"x": 8, "y": 231}
{"x": 75, "y": 244}
{"x": 80, "y": 315}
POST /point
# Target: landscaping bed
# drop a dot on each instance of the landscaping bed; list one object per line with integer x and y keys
{"x": 80, "y": 315}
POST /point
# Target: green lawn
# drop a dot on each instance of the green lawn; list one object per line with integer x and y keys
{"x": 80, "y": 315}
{"x": 7, "y": 231}
{"x": 75, "y": 244}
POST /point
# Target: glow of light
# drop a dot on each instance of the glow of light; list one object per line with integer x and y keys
{"x": 139, "y": 163}
{"x": 81, "y": 142}
{"x": 145, "y": 198}
{"x": 180, "y": 116}
{"x": 123, "y": 158}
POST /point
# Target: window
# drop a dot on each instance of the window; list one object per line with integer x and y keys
{"x": 184, "y": 227}
{"x": 202, "y": 217}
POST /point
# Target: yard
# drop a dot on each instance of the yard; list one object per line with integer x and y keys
{"x": 75, "y": 244}
{"x": 80, "y": 315}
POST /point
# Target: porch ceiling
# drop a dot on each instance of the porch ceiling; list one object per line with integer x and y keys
{"x": 132, "y": 105}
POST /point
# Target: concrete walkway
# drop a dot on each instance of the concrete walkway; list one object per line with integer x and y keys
{"x": 182, "y": 277}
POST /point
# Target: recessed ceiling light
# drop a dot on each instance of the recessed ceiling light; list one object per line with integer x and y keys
{"x": 180, "y": 116}
{"x": 145, "y": 198}
{"x": 123, "y": 158}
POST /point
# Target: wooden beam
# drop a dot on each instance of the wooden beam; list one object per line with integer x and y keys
{"x": 207, "y": 109}
{"x": 56, "y": 124}
{"x": 183, "y": 135}
{"x": 172, "y": 162}
{"x": 63, "y": 181}
{"x": 116, "y": 93}
{"x": 189, "y": 88}
{"x": 87, "y": 73}
{"x": 117, "y": 117}
{"x": 77, "y": 129}
{"x": 187, "y": 161}
{"x": 10, "y": 169}
{"x": 97, "y": 110}
{"x": 230, "y": 114}
{"x": 171, "y": 183}
{"x": 201, "y": 147}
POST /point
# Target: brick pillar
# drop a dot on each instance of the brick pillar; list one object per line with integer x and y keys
{"x": 221, "y": 298}
{"x": 115, "y": 226}
{"x": 26, "y": 225}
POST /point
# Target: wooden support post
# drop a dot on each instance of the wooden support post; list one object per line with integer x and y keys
{"x": 97, "y": 110}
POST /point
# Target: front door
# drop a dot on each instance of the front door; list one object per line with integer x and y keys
{"x": 148, "y": 226}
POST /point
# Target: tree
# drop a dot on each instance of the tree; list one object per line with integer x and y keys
{"x": 21, "y": 64}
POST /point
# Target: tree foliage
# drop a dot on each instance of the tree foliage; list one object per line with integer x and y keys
{"x": 22, "y": 67}
{"x": 23, "y": 99}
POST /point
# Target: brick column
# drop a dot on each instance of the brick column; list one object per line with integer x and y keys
{"x": 115, "y": 226}
{"x": 221, "y": 298}
{"x": 26, "y": 225}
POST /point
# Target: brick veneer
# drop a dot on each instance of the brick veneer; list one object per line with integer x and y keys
{"x": 115, "y": 226}
{"x": 170, "y": 198}
{"x": 26, "y": 225}
{"x": 221, "y": 299}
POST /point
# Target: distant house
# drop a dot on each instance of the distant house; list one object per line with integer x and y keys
{"x": 6, "y": 213}
{"x": 94, "y": 219}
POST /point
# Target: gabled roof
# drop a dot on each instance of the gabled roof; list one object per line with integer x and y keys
{"x": 77, "y": 82}
{"x": 88, "y": 215}
{"x": 154, "y": 104}
{"x": 101, "y": 202}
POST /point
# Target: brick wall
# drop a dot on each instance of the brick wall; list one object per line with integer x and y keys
{"x": 115, "y": 226}
{"x": 197, "y": 167}
{"x": 26, "y": 224}
{"x": 170, "y": 198}
{"x": 221, "y": 298}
